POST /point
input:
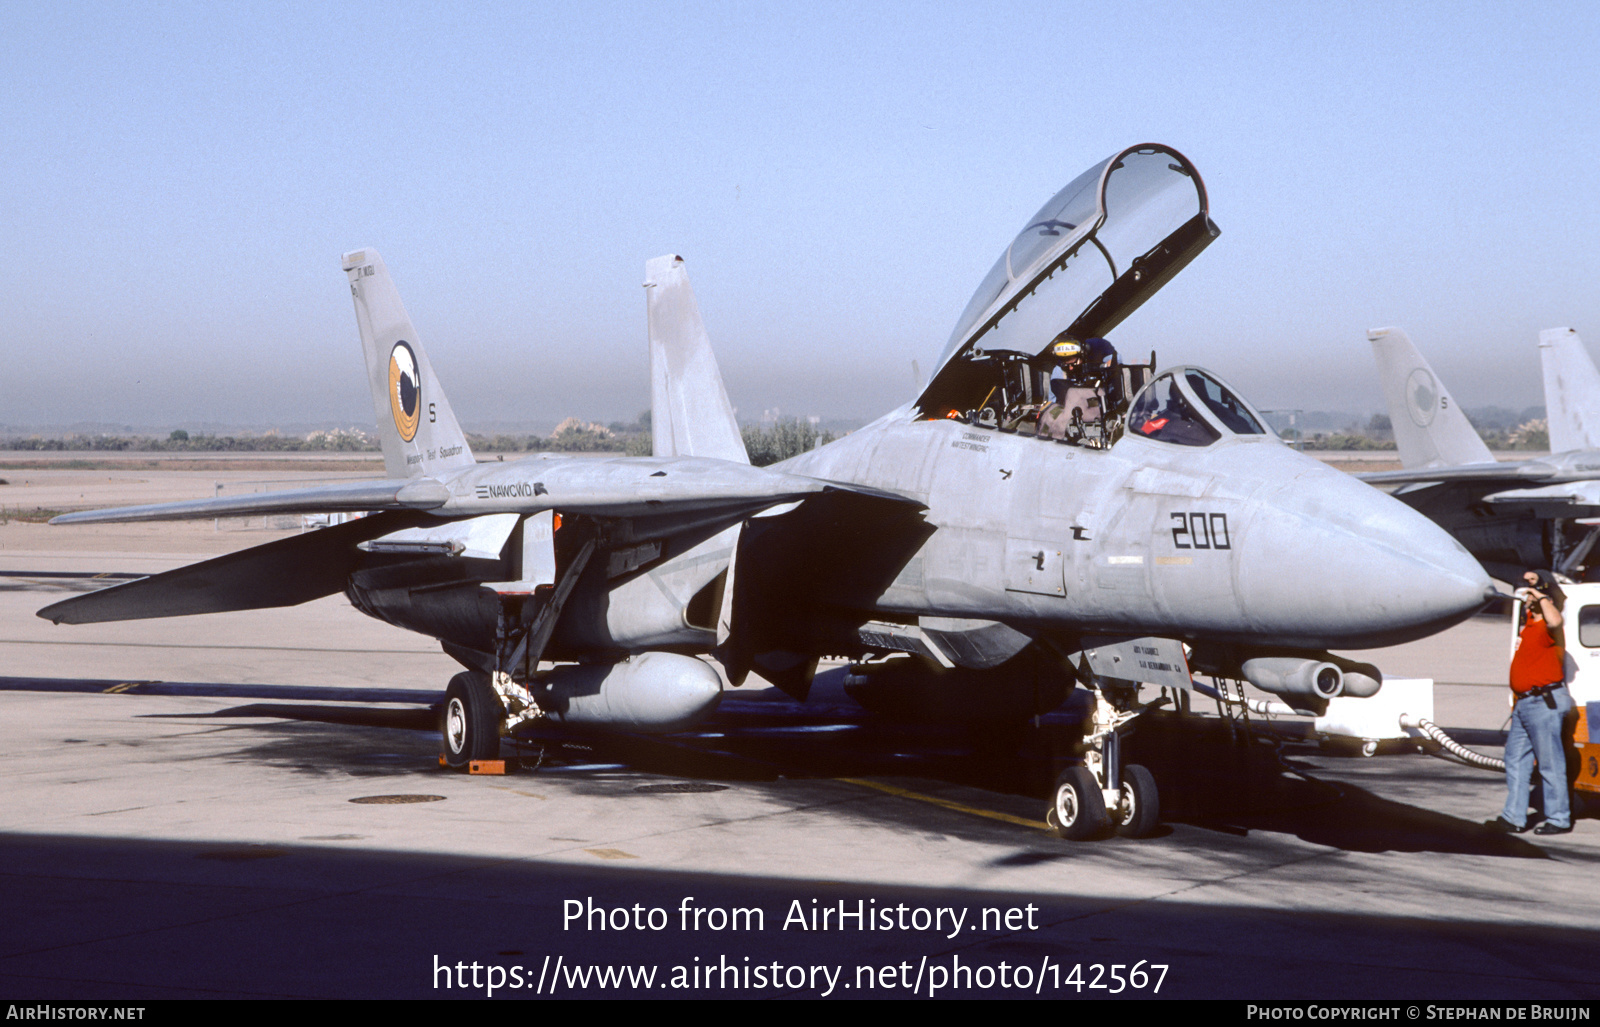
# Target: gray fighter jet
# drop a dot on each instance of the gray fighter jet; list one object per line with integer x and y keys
{"x": 994, "y": 538}
{"x": 1511, "y": 515}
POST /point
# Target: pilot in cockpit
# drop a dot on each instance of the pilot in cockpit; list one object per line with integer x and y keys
{"x": 1086, "y": 382}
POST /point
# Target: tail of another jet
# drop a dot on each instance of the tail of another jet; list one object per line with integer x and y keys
{"x": 419, "y": 432}
{"x": 689, "y": 410}
{"x": 1430, "y": 429}
{"x": 1571, "y": 391}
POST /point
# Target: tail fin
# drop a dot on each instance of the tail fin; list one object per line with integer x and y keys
{"x": 419, "y": 432}
{"x": 1571, "y": 391}
{"x": 689, "y": 410}
{"x": 1430, "y": 429}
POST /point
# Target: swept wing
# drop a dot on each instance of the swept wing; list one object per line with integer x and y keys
{"x": 618, "y": 487}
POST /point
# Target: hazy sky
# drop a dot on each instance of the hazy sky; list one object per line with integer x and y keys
{"x": 179, "y": 181}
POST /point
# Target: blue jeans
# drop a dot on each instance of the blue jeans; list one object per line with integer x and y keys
{"x": 1536, "y": 733}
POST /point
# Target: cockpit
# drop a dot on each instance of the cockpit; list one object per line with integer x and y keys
{"x": 1089, "y": 258}
{"x": 1188, "y": 406}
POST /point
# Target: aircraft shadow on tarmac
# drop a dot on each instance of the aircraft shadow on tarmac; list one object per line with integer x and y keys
{"x": 1210, "y": 777}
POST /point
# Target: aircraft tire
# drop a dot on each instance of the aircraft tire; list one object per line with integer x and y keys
{"x": 1139, "y": 812}
{"x": 1077, "y": 809}
{"x": 470, "y": 720}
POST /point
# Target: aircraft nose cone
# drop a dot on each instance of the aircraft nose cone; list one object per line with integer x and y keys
{"x": 1361, "y": 570}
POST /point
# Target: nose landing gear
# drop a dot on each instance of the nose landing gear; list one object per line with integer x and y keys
{"x": 1138, "y": 810}
{"x": 1102, "y": 792}
{"x": 479, "y": 708}
{"x": 1077, "y": 809}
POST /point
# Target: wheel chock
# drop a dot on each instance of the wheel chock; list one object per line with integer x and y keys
{"x": 497, "y": 767}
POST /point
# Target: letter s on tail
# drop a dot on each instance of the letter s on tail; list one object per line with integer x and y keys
{"x": 415, "y": 423}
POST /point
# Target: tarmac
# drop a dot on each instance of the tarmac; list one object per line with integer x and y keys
{"x": 250, "y": 805}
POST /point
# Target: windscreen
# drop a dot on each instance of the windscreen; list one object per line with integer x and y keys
{"x": 1162, "y": 413}
{"x": 1227, "y": 407}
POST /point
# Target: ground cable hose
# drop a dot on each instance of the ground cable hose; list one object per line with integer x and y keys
{"x": 1453, "y": 747}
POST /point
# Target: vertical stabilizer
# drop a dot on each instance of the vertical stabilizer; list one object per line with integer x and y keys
{"x": 1571, "y": 391}
{"x": 689, "y": 410}
{"x": 1430, "y": 429}
{"x": 418, "y": 430}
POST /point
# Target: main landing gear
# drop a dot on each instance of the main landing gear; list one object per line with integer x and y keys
{"x": 479, "y": 708}
{"x": 470, "y": 721}
{"x": 1103, "y": 792}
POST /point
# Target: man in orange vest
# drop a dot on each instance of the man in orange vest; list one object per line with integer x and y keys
{"x": 1538, "y": 674}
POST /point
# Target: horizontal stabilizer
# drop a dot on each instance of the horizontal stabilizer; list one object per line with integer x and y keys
{"x": 346, "y": 497}
{"x": 1532, "y": 470}
{"x": 283, "y": 573}
{"x": 478, "y": 538}
{"x": 1573, "y": 499}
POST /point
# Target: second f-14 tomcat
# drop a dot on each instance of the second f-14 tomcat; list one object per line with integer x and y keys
{"x": 976, "y": 539}
{"x": 1510, "y": 515}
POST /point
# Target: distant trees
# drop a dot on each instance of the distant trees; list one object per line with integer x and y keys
{"x": 351, "y": 440}
{"x": 573, "y": 436}
{"x": 766, "y": 443}
{"x": 1499, "y": 427}
{"x": 785, "y": 438}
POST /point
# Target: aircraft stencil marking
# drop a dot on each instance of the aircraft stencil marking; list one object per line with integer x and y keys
{"x": 512, "y": 491}
{"x": 1204, "y": 531}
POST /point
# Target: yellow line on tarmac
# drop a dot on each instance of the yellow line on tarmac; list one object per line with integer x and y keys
{"x": 905, "y": 793}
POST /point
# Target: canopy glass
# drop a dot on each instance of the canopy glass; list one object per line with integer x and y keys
{"x": 1087, "y": 259}
{"x": 1189, "y": 406}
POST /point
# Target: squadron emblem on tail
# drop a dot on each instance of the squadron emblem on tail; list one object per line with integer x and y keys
{"x": 405, "y": 390}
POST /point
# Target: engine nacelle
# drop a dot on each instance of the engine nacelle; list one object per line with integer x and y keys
{"x": 652, "y": 692}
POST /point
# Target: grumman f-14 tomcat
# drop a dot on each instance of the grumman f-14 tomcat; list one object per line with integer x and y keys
{"x": 1511, "y": 515}
{"x": 952, "y": 546}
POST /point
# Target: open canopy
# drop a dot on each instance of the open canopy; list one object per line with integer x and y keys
{"x": 1086, "y": 260}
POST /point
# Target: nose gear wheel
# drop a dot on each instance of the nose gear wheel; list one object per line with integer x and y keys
{"x": 1077, "y": 809}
